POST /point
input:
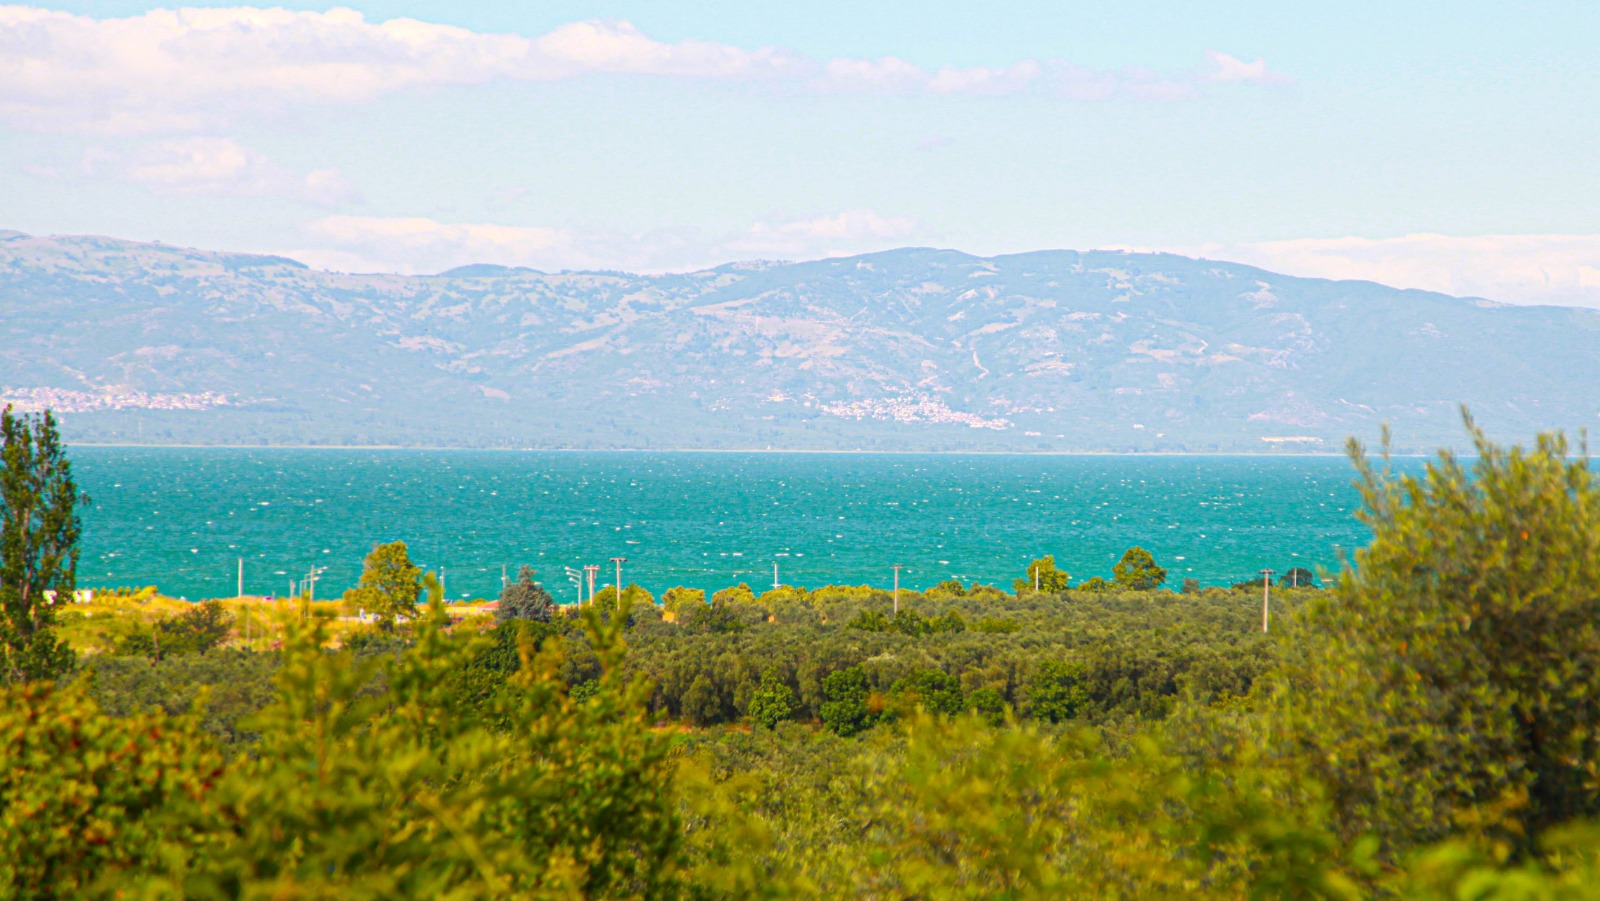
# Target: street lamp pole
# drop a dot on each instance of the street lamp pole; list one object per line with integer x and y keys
{"x": 1266, "y": 595}
{"x": 576, "y": 578}
{"x": 592, "y": 569}
{"x": 897, "y": 567}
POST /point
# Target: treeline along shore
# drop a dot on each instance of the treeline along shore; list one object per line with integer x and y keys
{"x": 1424, "y": 723}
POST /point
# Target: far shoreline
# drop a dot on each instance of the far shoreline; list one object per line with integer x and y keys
{"x": 705, "y": 450}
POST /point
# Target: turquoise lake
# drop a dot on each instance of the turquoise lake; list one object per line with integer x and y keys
{"x": 180, "y": 518}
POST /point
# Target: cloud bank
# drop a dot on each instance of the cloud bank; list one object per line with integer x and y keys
{"x": 1522, "y": 269}
{"x": 415, "y": 245}
{"x": 174, "y": 71}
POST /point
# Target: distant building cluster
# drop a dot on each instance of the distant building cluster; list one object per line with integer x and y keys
{"x": 911, "y": 409}
{"x": 66, "y": 400}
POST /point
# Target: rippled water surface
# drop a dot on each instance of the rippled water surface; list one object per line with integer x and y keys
{"x": 180, "y": 518}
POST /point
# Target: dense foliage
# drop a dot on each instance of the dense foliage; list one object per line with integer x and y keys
{"x": 1426, "y": 727}
{"x": 1454, "y": 676}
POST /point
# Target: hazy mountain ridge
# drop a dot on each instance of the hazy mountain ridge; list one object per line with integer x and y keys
{"x": 911, "y": 349}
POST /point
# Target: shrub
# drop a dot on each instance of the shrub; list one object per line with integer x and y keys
{"x": 1452, "y": 677}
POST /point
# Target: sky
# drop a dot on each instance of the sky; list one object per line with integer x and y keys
{"x": 1447, "y": 146}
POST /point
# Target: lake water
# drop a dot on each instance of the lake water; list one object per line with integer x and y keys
{"x": 181, "y": 518}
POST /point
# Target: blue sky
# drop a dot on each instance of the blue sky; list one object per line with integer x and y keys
{"x": 1446, "y": 146}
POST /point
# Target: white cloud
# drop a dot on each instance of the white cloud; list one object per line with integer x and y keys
{"x": 620, "y": 47}
{"x": 201, "y": 166}
{"x": 886, "y": 74}
{"x": 1231, "y": 68}
{"x": 841, "y": 234}
{"x": 1050, "y": 78}
{"x": 984, "y": 79}
{"x": 422, "y": 245}
{"x": 1524, "y": 269}
{"x": 418, "y": 244}
{"x": 186, "y": 69}
{"x": 217, "y": 166}
{"x": 173, "y": 71}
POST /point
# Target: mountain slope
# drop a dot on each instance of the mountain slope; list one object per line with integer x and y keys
{"x": 912, "y": 349}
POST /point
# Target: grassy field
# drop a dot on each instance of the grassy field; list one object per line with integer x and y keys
{"x": 256, "y": 624}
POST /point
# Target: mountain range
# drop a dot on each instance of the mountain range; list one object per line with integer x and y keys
{"x": 914, "y": 349}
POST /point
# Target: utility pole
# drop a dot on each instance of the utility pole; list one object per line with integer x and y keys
{"x": 593, "y": 569}
{"x": 1036, "y": 578}
{"x": 241, "y": 578}
{"x": 619, "y": 561}
{"x": 897, "y": 567}
{"x": 1266, "y": 595}
{"x": 312, "y": 577}
{"x": 775, "y": 583}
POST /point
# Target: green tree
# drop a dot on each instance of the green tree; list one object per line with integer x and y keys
{"x": 870, "y": 621}
{"x": 773, "y": 700}
{"x": 682, "y": 603}
{"x": 87, "y": 799}
{"x": 1043, "y": 573}
{"x": 201, "y": 628}
{"x": 236, "y": 684}
{"x": 701, "y": 704}
{"x": 719, "y": 617}
{"x": 524, "y": 599}
{"x": 1095, "y": 584}
{"x": 1057, "y": 692}
{"x": 389, "y": 584}
{"x": 39, "y": 531}
{"x": 1298, "y": 577}
{"x": 909, "y": 622}
{"x": 634, "y": 595}
{"x": 1137, "y": 571}
{"x": 738, "y": 594}
{"x": 844, "y": 708}
{"x": 1452, "y": 678}
{"x": 932, "y": 690}
{"x": 989, "y": 704}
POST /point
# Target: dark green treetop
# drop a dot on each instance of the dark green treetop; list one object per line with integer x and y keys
{"x": 1137, "y": 571}
{"x": 524, "y": 599}
{"x": 1298, "y": 577}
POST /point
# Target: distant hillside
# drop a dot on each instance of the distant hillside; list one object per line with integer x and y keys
{"x": 911, "y": 349}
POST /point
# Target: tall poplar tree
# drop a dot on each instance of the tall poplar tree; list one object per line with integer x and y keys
{"x": 39, "y": 531}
